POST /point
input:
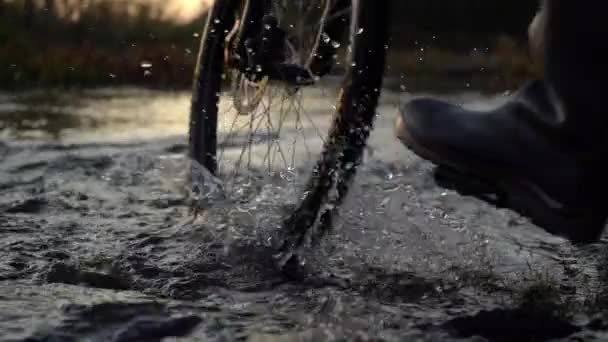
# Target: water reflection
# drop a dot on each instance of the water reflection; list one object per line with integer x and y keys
{"x": 41, "y": 123}
{"x": 127, "y": 114}
{"x": 99, "y": 115}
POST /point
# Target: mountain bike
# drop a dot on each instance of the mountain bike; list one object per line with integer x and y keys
{"x": 262, "y": 67}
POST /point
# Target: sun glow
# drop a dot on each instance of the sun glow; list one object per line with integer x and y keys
{"x": 189, "y": 9}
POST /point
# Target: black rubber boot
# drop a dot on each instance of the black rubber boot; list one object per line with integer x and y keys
{"x": 543, "y": 152}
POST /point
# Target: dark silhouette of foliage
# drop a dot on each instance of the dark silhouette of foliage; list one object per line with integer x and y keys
{"x": 104, "y": 42}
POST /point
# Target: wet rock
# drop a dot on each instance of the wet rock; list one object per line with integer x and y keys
{"x": 177, "y": 148}
{"x": 28, "y": 206}
{"x": 30, "y": 166}
{"x": 3, "y": 148}
{"x": 70, "y": 274}
{"x": 598, "y": 323}
{"x": 117, "y": 322}
{"x": 57, "y": 255}
{"x": 98, "y": 163}
{"x": 512, "y": 325}
{"x": 150, "y": 328}
{"x": 167, "y": 202}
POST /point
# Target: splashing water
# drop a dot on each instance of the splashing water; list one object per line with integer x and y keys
{"x": 207, "y": 189}
{"x": 83, "y": 222}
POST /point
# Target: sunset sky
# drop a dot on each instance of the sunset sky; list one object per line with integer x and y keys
{"x": 188, "y": 9}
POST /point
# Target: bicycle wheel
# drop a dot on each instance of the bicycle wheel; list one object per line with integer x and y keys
{"x": 242, "y": 130}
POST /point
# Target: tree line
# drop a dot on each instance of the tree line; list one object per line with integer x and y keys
{"x": 453, "y": 23}
{"x": 97, "y": 41}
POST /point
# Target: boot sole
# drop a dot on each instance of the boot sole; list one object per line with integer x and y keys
{"x": 491, "y": 184}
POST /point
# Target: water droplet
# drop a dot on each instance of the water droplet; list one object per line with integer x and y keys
{"x": 217, "y": 21}
{"x": 112, "y": 76}
{"x": 335, "y": 44}
{"x": 385, "y": 202}
{"x": 360, "y": 30}
{"x": 147, "y": 73}
{"x": 325, "y": 38}
{"x": 195, "y": 35}
{"x": 258, "y": 68}
{"x": 145, "y": 65}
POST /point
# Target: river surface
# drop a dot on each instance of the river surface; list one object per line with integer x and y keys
{"x": 98, "y": 242}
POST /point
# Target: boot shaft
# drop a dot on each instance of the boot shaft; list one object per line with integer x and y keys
{"x": 576, "y": 68}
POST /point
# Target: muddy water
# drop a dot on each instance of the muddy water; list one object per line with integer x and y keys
{"x": 97, "y": 243}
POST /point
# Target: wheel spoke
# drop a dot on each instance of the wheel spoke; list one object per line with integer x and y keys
{"x": 285, "y": 116}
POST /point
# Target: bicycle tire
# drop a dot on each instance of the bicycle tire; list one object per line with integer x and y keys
{"x": 207, "y": 84}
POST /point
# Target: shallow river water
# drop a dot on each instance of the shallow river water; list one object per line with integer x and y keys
{"x": 98, "y": 243}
